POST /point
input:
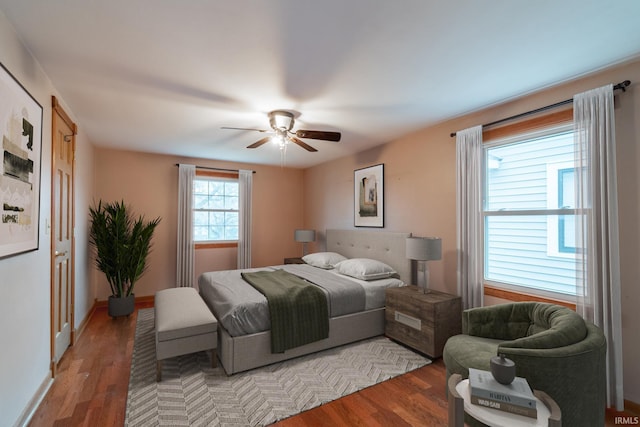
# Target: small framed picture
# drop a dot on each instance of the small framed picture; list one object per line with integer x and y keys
{"x": 369, "y": 196}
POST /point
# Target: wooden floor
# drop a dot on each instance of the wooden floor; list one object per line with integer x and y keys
{"x": 90, "y": 388}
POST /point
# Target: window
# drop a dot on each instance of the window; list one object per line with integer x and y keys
{"x": 529, "y": 212}
{"x": 215, "y": 209}
{"x": 566, "y": 199}
{"x": 561, "y": 238}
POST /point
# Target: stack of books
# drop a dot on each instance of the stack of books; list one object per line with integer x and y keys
{"x": 516, "y": 398}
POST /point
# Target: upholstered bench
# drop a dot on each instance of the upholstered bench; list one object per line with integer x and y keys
{"x": 184, "y": 324}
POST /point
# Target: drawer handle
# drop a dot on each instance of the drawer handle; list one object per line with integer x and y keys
{"x": 412, "y": 322}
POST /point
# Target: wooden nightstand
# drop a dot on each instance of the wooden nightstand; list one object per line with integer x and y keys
{"x": 293, "y": 261}
{"x": 422, "y": 321}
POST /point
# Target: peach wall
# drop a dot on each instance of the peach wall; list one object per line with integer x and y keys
{"x": 419, "y": 194}
{"x": 420, "y": 187}
{"x": 149, "y": 183}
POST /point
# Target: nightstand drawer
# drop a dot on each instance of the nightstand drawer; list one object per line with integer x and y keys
{"x": 422, "y": 321}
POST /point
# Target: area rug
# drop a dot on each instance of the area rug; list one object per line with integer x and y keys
{"x": 192, "y": 393}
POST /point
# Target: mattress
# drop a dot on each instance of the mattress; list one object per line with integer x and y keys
{"x": 243, "y": 310}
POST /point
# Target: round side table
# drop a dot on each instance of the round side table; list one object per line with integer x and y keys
{"x": 460, "y": 402}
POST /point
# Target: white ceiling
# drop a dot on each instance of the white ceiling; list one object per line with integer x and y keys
{"x": 164, "y": 75}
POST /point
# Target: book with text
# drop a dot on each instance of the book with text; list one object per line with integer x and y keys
{"x": 518, "y": 393}
{"x": 505, "y": 407}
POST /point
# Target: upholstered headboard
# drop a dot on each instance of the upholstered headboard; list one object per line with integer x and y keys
{"x": 386, "y": 246}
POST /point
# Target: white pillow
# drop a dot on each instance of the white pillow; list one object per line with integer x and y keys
{"x": 365, "y": 269}
{"x": 326, "y": 260}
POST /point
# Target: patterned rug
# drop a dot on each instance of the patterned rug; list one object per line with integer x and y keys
{"x": 192, "y": 393}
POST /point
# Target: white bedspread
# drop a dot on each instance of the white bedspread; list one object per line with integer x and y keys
{"x": 243, "y": 310}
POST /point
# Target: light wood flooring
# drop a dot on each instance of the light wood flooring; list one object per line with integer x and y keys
{"x": 90, "y": 388}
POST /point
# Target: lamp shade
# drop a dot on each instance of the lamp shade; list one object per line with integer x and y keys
{"x": 304, "y": 235}
{"x": 424, "y": 248}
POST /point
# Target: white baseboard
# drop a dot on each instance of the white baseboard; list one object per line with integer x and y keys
{"x": 28, "y": 412}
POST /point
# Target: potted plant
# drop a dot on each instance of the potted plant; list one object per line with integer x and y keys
{"x": 122, "y": 244}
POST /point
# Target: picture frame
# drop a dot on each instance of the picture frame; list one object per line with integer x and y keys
{"x": 368, "y": 193}
{"x": 20, "y": 167}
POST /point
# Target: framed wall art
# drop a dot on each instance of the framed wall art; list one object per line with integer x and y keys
{"x": 21, "y": 134}
{"x": 369, "y": 196}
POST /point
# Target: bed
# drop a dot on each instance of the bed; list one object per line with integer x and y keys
{"x": 248, "y": 345}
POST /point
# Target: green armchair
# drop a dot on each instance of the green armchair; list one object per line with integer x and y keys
{"x": 552, "y": 347}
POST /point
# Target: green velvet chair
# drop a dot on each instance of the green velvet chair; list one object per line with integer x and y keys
{"x": 552, "y": 347}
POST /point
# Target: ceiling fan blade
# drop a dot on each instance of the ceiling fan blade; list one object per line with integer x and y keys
{"x": 317, "y": 134}
{"x": 257, "y": 130}
{"x": 302, "y": 144}
{"x": 259, "y": 142}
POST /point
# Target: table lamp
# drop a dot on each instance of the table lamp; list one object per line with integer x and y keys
{"x": 423, "y": 249}
{"x": 304, "y": 236}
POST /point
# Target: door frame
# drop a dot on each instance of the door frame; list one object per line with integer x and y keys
{"x": 58, "y": 110}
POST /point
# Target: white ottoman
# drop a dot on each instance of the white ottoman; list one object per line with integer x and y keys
{"x": 184, "y": 324}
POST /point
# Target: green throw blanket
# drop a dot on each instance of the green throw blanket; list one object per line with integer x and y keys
{"x": 298, "y": 309}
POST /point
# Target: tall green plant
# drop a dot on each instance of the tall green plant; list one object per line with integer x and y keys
{"x": 121, "y": 244}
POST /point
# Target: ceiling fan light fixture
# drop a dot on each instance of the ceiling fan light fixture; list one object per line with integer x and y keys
{"x": 280, "y": 139}
{"x": 281, "y": 120}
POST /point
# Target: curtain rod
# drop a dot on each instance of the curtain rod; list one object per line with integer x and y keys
{"x": 622, "y": 86}
{"x": 216, "y": 169}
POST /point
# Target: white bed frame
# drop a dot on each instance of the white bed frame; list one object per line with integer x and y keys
{"x": 246, "y": 352}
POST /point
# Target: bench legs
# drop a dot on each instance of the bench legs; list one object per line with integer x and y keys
{"x": 214, "y": 358}
{"x": 214, "y": 364}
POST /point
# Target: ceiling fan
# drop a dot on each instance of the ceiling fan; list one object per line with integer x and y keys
{"x": 281, "y": 122}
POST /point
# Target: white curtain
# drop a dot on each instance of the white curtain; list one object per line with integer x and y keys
{"x": 185, "y": 246}
{"x": 597, "y": 226}
{"x": 469, "y": 216}
{"x": 245, "y": 178}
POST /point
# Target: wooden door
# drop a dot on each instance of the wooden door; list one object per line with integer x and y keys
{"x": 62, "y": 227}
